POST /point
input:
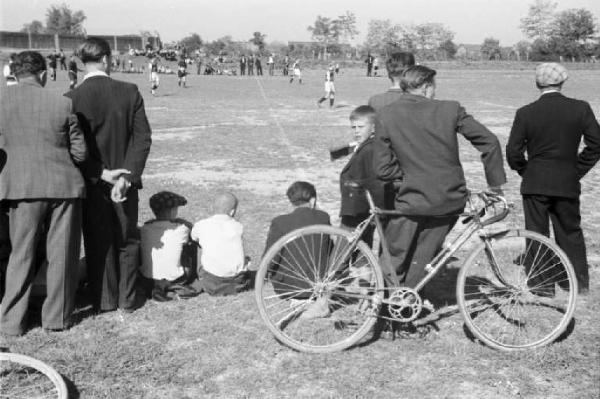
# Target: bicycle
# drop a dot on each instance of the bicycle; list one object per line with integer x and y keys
{"x": 516, "y": 290}
{"x": 23, "y": 377}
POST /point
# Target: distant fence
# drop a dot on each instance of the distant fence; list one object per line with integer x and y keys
{"x": 25, "y": 40}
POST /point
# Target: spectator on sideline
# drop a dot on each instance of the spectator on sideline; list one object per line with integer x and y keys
{"x": 416, "y": 142}
{"x": 223, "y": 268}
{"x": 550, "y": 131}
{"x": 168, "y": 254}
{"x": 303, "y": 197}
{"x": 119, "y": 136}
{"x": 395, "y": 65}
{"x": 42, "y": 188}
{"x": 359, "y": 170}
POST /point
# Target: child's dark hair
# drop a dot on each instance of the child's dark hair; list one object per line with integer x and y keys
{"x": 363, "y": 111}
{"x": 398, "y": 62}
{"x": 301, "y": 192}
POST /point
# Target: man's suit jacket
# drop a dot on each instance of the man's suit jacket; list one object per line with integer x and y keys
{"x": 550, "y": 131}
{"x": 42, "y": 141}
{"x": 114, "y": 120}
{"x": 379, "y": 101}
{"x": 359, "y": 169}
{"x": 298, "y": 260}
{"x": 416, "y": 141}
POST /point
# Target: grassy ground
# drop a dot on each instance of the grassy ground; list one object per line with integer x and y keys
{"x": 254, "y": 137}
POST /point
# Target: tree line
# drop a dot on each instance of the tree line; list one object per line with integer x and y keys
{"x": 566, "y": 35}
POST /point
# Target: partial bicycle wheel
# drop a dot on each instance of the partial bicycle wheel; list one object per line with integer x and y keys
{"x": 318, "y": 290}
{"x": 517, "y": 290}
{"x": 23, "y": 377}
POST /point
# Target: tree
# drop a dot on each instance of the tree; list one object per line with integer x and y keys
{"x": 323, "y": 32}
{"x": 258, "y": 39}
{"x": 220, "y": 46}
{"x": 448, "y": 49}
{"x": 192, "y": 42}
{"x": 34, "y": 26}
{"x": 491, "y": 48}
{"x": 540, "y": 51}
{"x": 344, "y": 27}
{"x": 538, "y": 22}
{"x": 522, "y": 50}
{"x": 61, "y": 19}
{"x": 382, "y": 35}
{"x": 575, "y": 24}
{"x": 428, "y": 37}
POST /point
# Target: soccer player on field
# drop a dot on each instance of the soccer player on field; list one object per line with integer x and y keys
{"x": 181, "y": 71}
{"x": 296, "y": 69}
{"x": 154, "y": 81}
{"x": 329, "y": 87}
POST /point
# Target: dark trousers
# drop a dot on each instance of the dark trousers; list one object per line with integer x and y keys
{"x": 414, "y": 241}
{"x": 111, "y": 247}
{"x": 242, "y": 70}
{"x": 564, "y": 213}
{"x": 28, "y": 221}
{"x": 4, "y": 246}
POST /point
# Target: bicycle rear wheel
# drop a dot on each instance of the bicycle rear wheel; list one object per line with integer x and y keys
{"x": 318, "y": 290}
{"x": 23, "y": 377}
{"x": 517, "y": 292}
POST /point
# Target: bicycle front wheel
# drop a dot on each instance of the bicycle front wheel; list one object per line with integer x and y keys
{"x": 318, "y": 289}
{"x": 23, "y": 377}
{"x": 517, "y": 290}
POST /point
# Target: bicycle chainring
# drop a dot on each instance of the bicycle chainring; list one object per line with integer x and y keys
{"x": 404, "y": 304}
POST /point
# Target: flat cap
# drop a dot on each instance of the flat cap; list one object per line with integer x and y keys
{"x": 166, "y": 200}
{"x": 550, "y": 73}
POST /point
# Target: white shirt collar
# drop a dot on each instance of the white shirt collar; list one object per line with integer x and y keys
{"x": 550, "y": 91}
{"x": 92, "y": 74}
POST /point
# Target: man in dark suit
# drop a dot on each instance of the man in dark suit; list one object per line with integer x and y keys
{"x": 395, "y": 66}
{"x": 118, "y": 134}
{"x": 42, "y": 189}
{"x": 550, "y": 130}
{"x": 416, "y": 142}
{"x": 303, "y": 197}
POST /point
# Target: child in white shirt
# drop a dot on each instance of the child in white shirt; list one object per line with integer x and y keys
{"x": 223, "y": 268}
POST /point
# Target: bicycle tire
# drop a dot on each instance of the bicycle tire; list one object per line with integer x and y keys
{"x": 23, "y": 377}
{"x": 528, "y": 302}
{"x": 305, "y": 267}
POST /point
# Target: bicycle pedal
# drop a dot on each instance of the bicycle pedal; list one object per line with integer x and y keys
{"x": 428, "y": 305}
{"x": 428, "y": 268}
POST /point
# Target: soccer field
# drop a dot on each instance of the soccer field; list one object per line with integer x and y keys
{"x": 254, "y": 136}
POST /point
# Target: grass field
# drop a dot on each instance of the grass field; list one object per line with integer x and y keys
{"x": 254, "y": 136}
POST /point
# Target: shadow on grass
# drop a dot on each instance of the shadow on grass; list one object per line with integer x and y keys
{"x": 72, "y": 388}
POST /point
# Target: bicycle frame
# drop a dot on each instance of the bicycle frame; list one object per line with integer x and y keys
{"x": 473, "y": 220}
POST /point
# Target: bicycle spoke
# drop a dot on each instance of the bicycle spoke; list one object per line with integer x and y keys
{"x": 319, "y": 272}
{"x": 528, "y": 313}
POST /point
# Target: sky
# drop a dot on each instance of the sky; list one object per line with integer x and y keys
{"x": 284, "y": 20}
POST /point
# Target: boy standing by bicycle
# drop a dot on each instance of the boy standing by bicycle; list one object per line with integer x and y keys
{"x": 358, "y": 173}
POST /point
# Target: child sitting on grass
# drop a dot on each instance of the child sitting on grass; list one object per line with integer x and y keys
{"x": 223, "y": 268}
{"x": 303, "y": 197}
{"x": 168, "y": 255}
